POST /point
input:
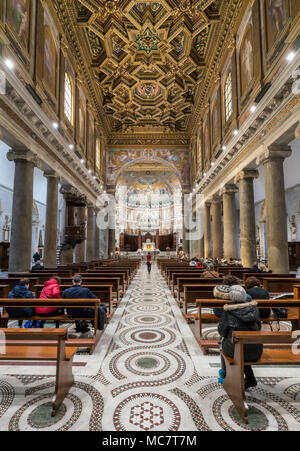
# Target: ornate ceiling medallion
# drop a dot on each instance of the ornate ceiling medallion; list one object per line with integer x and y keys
{"x": 148, "y": 40}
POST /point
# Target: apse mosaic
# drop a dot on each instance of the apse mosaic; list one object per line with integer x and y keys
{"x": 178, "y": 160}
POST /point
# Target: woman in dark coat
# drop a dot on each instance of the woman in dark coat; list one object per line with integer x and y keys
{"x": 240, "y": 315}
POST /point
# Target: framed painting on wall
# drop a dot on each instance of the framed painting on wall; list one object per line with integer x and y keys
{"x": 276, "y": 14}
{"x": 50, "y": 61}
{"x": 246, "y": 61}
{"x": 18, "y": 20}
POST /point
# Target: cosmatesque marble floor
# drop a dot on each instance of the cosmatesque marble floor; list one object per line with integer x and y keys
{"x": 147, "y": 374}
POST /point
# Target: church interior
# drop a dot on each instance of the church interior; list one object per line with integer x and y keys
{"x": 149, "y": 215}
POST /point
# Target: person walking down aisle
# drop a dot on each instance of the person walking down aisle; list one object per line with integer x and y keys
{"x": 149, "y": 262}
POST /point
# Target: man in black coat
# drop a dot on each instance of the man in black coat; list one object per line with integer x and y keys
{"x": 240, "y": 315}
{"x": 79, "y": 292}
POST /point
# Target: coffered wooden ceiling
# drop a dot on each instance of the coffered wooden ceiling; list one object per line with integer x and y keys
{"x": 149, "y": 64}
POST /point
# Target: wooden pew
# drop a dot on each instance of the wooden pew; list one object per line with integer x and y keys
{"x": 292, "y": 304}
{"x": 193, "y": 292}
{"x": 263, "y": 275}
{"x": 13, "y": 281}
{"x": 113, "y": 281}
{"x": 41, "y": 274}
{"x": 42, "y": 344}
{"x": 282, "y": 285}
{"x": 58, "y": 303}
{"x": 183, "y": 280}
{"x": 110, "y": 272}
{"x": 169, "y": 274}
{"x": 103, "y": 292}
{"x": 296, "y": 291}
{"x": 234, "y": 383}
{"x": 4, "y": 290}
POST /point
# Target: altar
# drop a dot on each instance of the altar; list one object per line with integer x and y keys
{"x": 148, "y": 247}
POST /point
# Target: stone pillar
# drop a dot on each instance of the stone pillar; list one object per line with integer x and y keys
{"x": 216, "y": 214}
{"x": 96, "y": 255}
{"x": 186, "y": 209}
{"x": 207, "y": 230}
{"x": 277, "y": 236}
{"x": 51, "y": 220}
{"x": 21, "y": 222}
{"x": 90, "y": 233}
{"x": 80, "y": 248}
{"x": 247, "y": 216}
{"x": 229, "y": 219}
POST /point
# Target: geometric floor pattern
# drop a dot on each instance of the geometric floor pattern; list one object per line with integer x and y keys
{"x": 147, "y": 374}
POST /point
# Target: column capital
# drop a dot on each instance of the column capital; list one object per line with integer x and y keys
{"x": 207, "y": 203}
{"x": 297, "y": 131}
{"x": 229, "y": 189}
{"x": 23, "y": 155}
{"x": 246, "y": 174}
{"x": 51, "y": 174}
{"x": 274, "y": 152}
{"x": 216, "y": 199}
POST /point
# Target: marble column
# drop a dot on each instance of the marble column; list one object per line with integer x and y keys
{"x": 229, "y": 219}
{"x": 207, "y": 230}
{"x": 21, "y": 222}
{"x": 90, "y": 233}
{"x": 80, "y": 248}
{"x": 277, "y": 236}
{"x": 216, "y": 214}
{"x": 51, "y": 220}
{"x": 96, "y": 255}
{"x": 247, "y": 216}
{"x": 186, "y": 209}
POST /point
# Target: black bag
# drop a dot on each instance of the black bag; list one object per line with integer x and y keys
{"x": 281, "y": 313}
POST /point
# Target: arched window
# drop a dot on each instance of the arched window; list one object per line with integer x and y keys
{"x": 68, "y": 107}
{"x": 228, "y": 97}
{"x": 98, "y": 154}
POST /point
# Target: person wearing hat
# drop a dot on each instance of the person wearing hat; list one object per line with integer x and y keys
{"x": 240, "y": 315}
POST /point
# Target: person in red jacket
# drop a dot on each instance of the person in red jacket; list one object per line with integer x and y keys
{"x": 51, "y": 290}
{"x": 149, "y": 262}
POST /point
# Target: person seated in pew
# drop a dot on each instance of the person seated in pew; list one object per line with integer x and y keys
{"x": 21, "y": 291}
{"x": 255, "y": 268}
{"x": 223, "y": 292}
{"x": 51, "y": 290}
{"x": 240, "y": 315}
{"x": 79, "y": 292}
{"x": 193, "y": 262}
{"x": 210, "y": 272}
{"x": 38, "y": 265}
{"x": 256, "y": 291}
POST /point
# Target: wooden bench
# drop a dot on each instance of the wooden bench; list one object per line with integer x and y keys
{"x": 103, "y": 292}
{"x": 263, "y": 275}
{"x": 113, "y": 281}
{"x": 283, "y": 285}
{"x": 4, "y": 290}
{"x": 42, "y": 344}
{"x": 296, "y": 289}
{"x": 234, "y": 384}
{"x": 293, "y": 306}
{"x": 202, "y": 283}
{"x": 13, "y": 281}
{"x": 63, "y": 318}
